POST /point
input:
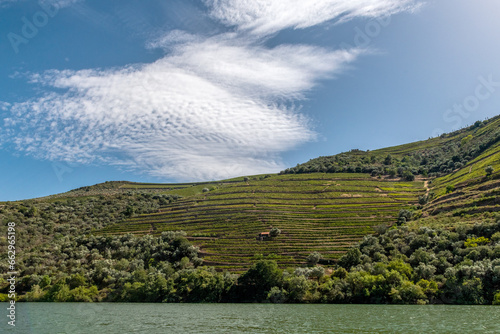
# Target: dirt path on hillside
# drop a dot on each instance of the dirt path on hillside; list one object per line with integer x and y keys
{"x": 426, "y": 186}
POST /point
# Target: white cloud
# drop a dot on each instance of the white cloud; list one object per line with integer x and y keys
{"x": 206, "y": 111}
{"x": 213, "y": 107}
{"x": 263, "y": 17}
{"x": 285, "y": 71}
{"x": 170, "y": 39}
{"x": 4, "y": 105}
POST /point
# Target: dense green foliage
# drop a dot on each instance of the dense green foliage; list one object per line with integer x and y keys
{"x": 427, "y": 265}
{"x": 118, "y": 268}
{"x": 42, "y": 220}
{"x": 398, "y": 266}
{"x": 448, "y": 153}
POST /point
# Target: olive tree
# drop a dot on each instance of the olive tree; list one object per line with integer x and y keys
{"x": 274, "y": 232}
{"x": 313, "y": 258}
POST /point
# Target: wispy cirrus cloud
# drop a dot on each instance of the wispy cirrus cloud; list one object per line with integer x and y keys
{"x": 211, "y": 107}
{"x": 263, "y": 17}
{"x": 208, "y": 110}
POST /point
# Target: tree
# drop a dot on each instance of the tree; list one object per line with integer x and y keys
{"x": 200, "y": 285}
{"x": 313, "y": 258}
{"x": 388, "y": 160}
{"x": 472, "y": 291}
{"x": 392, "y": 172}
{"x": 340, "y": 273}
{"x": 450, "y": 188}
{"x": 495, "y": 237}
{"x": 404, "y": 216}
{"x": 407, "y": 293}
{"x": 274, "y": 232}
{"x": 129, "y": 211}
{"x": 260, "y": 278}
{"x": 408, "y": 176}
{"x": 351, "y": 258}
{"x": 296, "y": 288}
{"x": 317, "y": 272}
{"x": 277, "y": 295}
{"x": 489, "y": 170}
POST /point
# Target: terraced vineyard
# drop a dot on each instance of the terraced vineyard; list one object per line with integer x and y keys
{"x": 473, "y": 192}
{"x": 315, "y": 212}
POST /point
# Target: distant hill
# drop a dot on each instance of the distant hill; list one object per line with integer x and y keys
{"x": 474, "y": 146}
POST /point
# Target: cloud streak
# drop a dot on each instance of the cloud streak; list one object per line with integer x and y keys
{"x": 264, "y": 17}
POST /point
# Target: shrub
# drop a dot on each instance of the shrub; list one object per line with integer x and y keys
{"x": 465, "y": 140}
{"x": 274, "y": 232}
{"x": 495, "y": 237}
{"x": 489, "y": 170}
{"x": 496, "y": 299}
{"x": 423, "y": 199}
{"x": 474, "y": 242}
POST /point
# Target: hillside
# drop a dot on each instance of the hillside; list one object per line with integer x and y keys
{"x": 473, "y": 147}
{"x": 315, "y": 212}
{"x": 325, "y": 205}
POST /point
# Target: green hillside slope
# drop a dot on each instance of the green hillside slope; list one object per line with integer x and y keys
{"x": 324, "y": 205}
{"x": 315, "y": 212}
{"x": 475, "y": 146}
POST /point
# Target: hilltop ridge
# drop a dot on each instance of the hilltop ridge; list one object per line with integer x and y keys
{"x": 433, "y": 157}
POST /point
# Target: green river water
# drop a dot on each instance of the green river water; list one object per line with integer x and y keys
{"x": 40, "y": 318}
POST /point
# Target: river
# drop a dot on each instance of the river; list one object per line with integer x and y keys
{"x": 96, "y": 318}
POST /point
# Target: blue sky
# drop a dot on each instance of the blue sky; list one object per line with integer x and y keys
{"x": 166, "y": 91}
